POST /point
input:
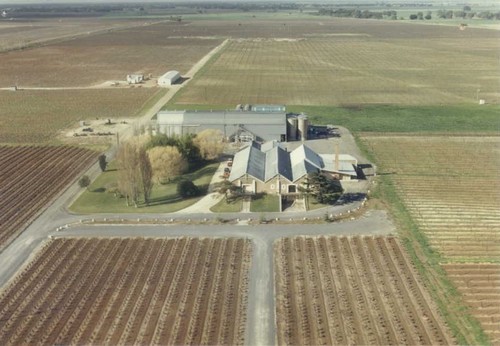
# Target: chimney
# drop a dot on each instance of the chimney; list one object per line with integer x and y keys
{"x": 337, "y": 163}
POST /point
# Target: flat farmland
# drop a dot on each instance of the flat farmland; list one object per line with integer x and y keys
{"x": 480, "y": 286}
{"x": 93, "y": 59}
{"x": 349, "y": 69}
{"x": 22, "y": 33}
{"x": 450, "y": 185}
{"x": 30, "y": 177}
{"x": 129, "y": 291}
{"x": 37, "y": 116}
{"x": 346, "y": 291}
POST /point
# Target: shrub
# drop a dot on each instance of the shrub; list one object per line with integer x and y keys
{"x": 186, "y": 188}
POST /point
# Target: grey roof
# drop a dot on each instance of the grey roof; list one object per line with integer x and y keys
{"x": 265, "y": 126}
{"x": 170, "y": 74}
{"x": 222, "y": 117}
{"x": 264, "y": 165}
{"x": 268, "y": 108}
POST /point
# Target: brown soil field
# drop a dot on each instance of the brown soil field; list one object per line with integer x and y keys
{"x": 37, "y": 116}
{"x": 480, "y": 287}
{"x": 450, "y": 186}
{"x": 351, "y": 291}
{"x": 20, "y": 33}
{"x": 349, "y": 62}
{"x": 129, "y": 291}
{"x": 93, "y": 59}
{"x": 31, "y": 177}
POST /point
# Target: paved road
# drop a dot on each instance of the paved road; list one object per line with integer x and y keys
{"x": 261, "y": 312}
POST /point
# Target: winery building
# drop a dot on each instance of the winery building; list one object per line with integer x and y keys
{"x": 246, "y": 123}
{"x": 270, "y": 168}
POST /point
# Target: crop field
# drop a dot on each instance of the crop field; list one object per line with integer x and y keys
{"x": 97, "y": 58}
{"x": 357, "y": 290}
{"x": 25, "y": 32}
{"x": 36, "y": 116}
{"x": 349, "y": 69}
{"x": 480, "y": 287}
{"x": 30, "y": 177}
{"x": 129, "y": 291}
{"x": 450, "y": 186}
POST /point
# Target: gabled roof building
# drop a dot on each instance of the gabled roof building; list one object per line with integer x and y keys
{"x": 271, "y": 168}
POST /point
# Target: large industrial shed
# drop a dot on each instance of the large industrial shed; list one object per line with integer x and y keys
{"x": 169, "y": 78}
{"x": 270, "y": 168}
{"x": 236, "y": 125}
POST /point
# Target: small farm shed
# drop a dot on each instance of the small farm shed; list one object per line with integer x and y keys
{"x": 272, "y": 169}
{"x": 135, "y": 78}
{"x": 239, "y": 126}
{"x": 169, "y": 78}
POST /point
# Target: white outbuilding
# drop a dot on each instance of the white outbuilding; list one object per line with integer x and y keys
{"x": 169, "y": 78}
{"x": 135, "y": 78}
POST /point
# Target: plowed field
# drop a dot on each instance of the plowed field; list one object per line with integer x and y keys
{"x": 451, "y": 187}
{"x": 129, "y": 291}
{"x": 360, "y": 290}
{"x": 93, "y": 59}
{"x": 480, "y": 286}
{"x": 30, "y": 177}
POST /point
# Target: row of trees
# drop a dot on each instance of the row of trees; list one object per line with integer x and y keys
{"x": 356, "y": 13}
{"x": 144, "y": 161}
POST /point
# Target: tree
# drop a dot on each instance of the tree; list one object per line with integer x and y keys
{"x": 166, "y": 162}
{"x": 128, "y": 172}
{"x": 102, "y": 162}
{"x": 413, "y": 16}
{"x": 428, "y": 16}
{"x": 84, "y": 181}
{"x": 323, "y": 189}
{"x": 146, "y": 174}
{"x": 420, "y": 15}
{"x": 186, "y": 189}
{"x": 467, "y": 8}
{"x": 210, "y": 143}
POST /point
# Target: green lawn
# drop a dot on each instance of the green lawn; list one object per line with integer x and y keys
{"x": 390, "y": 118}
{"x": 164, "y": 198}
{"x": 225, "y": 206}
{"x": 265, "y": 203}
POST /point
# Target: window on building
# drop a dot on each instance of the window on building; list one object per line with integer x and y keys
{"x": 292, "y": 188}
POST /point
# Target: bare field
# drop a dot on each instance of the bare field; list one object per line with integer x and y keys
{"x": 94, "y": 59}
{"x": 480, "y": 287}
{"x": 349, "y": 70}
{"x": 450, "y": 185}
{"x": 359, "y": 290}
{"x": 37, "y": 116}
{"x": 129, "y": 291}
{"x": 21, "y": 33}
{"x": 30, "y": 177}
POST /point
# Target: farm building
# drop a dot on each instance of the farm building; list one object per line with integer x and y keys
{"x": 272, "y": 169}
{"x": 169, "y": 78}
{"x": 247, "y": 123}
{"x": 135, "y": 78}
{"x": 235, "y": 125}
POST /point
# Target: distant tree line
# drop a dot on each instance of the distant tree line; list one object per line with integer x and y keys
{"x": 357, "y": 13}
{"x": 465, "y": 13}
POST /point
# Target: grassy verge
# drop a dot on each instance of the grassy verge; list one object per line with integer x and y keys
{"x": 225, "y": 206}
{"x": 312, "y": 204}
{"x": 463, "y": 326}
{"x": 265, "y": 203}
{"x": 391, "y": 118}
{"x": 164, "y": 198}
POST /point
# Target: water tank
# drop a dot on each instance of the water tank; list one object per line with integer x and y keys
{"x": 303, "y": 127}
{"x": 292, "y": 124}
